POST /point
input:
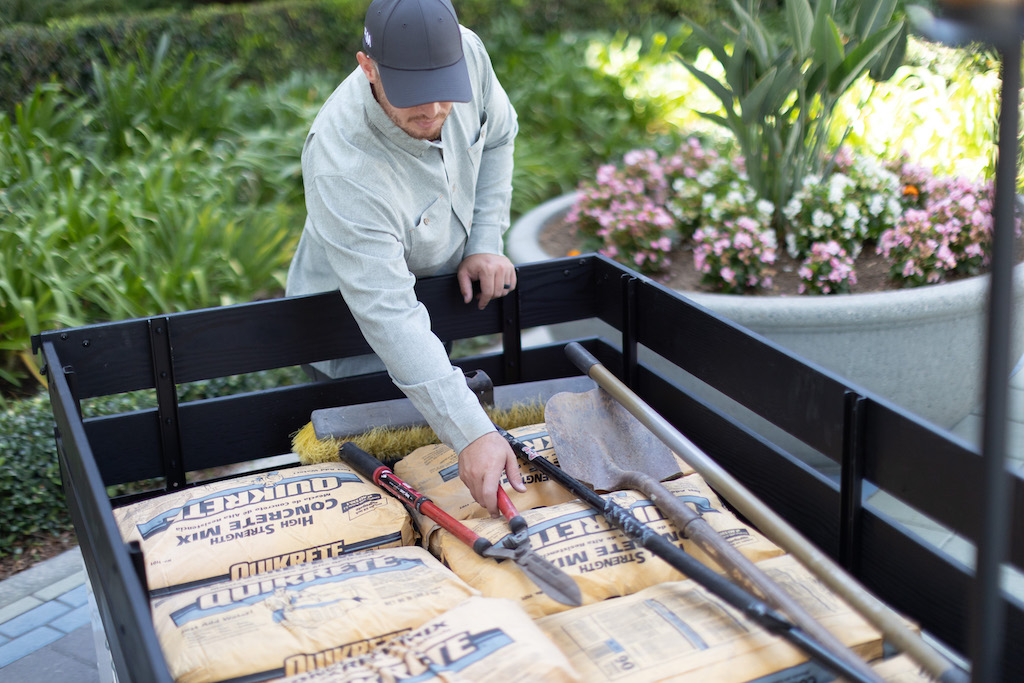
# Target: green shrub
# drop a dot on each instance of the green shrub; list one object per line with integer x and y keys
{"x": 43, "y": 11}
{"x": 267, "y": 42}
{"x": 563, "y": 104}
{"x": 31, "y": 499}
{"x": 150, "y": 213}
{"x": 31, "y": 494}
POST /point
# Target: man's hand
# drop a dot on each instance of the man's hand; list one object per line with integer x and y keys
{"x": 495, "y": 273}
{"x": 480, "y": 466}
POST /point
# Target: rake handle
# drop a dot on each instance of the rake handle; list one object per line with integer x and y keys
{"x": 771, "y": 523}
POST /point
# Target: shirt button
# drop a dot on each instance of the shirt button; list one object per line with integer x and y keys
{"x": 426, "y": 221}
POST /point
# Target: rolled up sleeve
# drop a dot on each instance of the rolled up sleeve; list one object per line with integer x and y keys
{"x": 375, "y": 281}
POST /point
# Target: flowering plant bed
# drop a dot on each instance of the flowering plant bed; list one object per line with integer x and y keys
{"x": 891, "y": 224}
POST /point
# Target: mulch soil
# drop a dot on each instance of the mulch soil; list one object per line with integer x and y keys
{"x": 38, "y": 549}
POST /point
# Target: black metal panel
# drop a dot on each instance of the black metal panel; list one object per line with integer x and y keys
{"x": 556, "y": 291}
{"x": 122, "y": 604}
{"x": 801, "y": 399}
{"x": 109, "y": 358}
{"x": 167, "y": 403}
{"x": 851, "y": 484}
{"x": 931, "y": 588}
{"x": 235, "y": 340}
{"x": 933, "y": 472}
{"x": 223, "y": 431}
{"x": 542, "y": 362}
{"x": 511, "y": 337}
{"x": 806, "y": 499}
{"x": 609, "y": 294}
{"x": 450, "y": 317}
{"x": 127, "y": 447}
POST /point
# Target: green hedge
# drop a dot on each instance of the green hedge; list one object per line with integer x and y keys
{"x": 31, "y": 499}
{"x": 267, "y": 41}
{"x": 270, "y": 40}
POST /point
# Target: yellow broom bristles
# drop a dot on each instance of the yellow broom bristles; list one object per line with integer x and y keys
{"x": 390, "y": 445}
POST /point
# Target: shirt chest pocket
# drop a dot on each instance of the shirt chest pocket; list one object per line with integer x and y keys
{"x": 432, "y": 244}
{"x": 464, "y": 190}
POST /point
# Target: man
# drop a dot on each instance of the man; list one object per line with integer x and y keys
{"x": 407, "y": 172}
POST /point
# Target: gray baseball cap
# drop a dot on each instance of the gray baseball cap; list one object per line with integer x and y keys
{"x": 417, "y": 45}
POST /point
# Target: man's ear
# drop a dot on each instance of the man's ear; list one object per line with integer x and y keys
{"x": 368, "y": 66}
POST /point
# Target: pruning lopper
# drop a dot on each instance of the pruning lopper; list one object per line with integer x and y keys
{"x": 555, "y": 583}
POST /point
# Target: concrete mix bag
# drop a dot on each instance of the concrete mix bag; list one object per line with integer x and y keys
{"x": 483, "y": 640}
{"x": 293, "y": 620}
{"x": 434, "y": 471}
{"x": 602, "y": 560}
{"x": 256, "y": 523}
{"x": 680, "y": 632}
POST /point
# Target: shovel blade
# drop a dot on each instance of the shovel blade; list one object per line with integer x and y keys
{"x": 596, "y": 440}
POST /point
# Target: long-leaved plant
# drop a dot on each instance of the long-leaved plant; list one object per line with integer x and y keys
{"x": 781, "y": 85}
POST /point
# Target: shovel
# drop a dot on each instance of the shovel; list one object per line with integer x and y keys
{"x": 771, "y": 524}
{"x": 601, "y": 443}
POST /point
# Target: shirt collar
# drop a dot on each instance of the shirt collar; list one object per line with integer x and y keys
{"x": 379, "y": 119}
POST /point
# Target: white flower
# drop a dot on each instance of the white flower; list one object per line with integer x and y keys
{"x": 821, "y": 218}
{"x": 837, "y": 185}
{"x": 791, "y": 243}
{"x": 876, "y": 204}
{"x": 765, "y": 207}
{"x": 792, "y": 209}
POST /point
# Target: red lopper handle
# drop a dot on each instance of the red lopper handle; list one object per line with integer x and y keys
{"x": 515, "y": 520}
{"x": 383, "y": 476}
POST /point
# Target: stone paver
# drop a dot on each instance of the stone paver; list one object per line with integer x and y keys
{"x": 28, "y": 643}
{"x": 45, "y": 624}
{"x": 40, "y": 616}
{"x": 64, "y": 659}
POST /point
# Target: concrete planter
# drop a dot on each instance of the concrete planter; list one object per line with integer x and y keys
{"x": 922, "y": 348}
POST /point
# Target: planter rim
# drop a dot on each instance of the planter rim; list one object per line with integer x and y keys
{"x": 929, "y": 301}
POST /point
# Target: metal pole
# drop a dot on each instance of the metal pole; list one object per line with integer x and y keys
{"x": 988, "y": 610}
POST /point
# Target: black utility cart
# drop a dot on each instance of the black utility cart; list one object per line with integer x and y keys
{"x": 659, "y": 342}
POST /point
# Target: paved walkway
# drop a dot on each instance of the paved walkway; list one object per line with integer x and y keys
{"x": 45, "y": 627}
{"x": 46, "y": 632}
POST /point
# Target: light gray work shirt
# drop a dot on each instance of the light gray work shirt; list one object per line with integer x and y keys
{"x": 384, "y": 208}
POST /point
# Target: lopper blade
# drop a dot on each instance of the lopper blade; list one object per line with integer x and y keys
{"x": 555, "y": 583}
